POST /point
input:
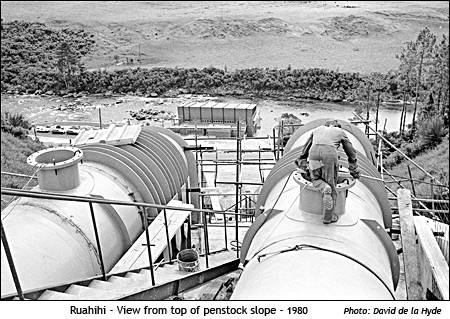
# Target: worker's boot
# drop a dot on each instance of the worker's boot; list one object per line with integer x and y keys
{"x": 327, "y": 199}
{"x": 327, "y": 204}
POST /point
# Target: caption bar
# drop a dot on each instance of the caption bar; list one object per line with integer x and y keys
{"x": 227, "y": 309}
{"x": 183, "y": 311}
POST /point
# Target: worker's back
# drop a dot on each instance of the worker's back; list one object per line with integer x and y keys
{"x": 328, "y": 135}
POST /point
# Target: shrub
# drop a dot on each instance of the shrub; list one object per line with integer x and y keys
{"x": 393, "y": 159}
{"x": 15, "y": 124}
{"x": 431, "y": 131}
{"x": 30, "y": 55}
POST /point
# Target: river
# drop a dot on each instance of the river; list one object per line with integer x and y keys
{"x": 44, "y": 109}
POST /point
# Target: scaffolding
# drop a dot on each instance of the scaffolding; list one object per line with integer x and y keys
{"x": 210, "y": 160}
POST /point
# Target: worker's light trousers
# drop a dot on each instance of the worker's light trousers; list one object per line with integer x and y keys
{"x": 324, "y": 168}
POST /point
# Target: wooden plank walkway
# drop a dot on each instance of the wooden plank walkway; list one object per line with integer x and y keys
{"x": 443, "y": 241}
{"x": 136, "y": 256}
{"x": 410, "y": 261}
{"x": 433, "y": 268}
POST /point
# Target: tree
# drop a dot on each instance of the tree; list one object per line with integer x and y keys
{"x": 405, "y": 78}
{"x": 416, "y": 58}
{"x": 438, "y": 78}
{"x": 362, "y": 95}
{"x": 379, "y": 85}
{"x": 67, "y": 63}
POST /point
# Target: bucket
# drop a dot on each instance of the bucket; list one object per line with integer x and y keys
{"x": 188, "y": 260}
{"x": 311, "y": 198}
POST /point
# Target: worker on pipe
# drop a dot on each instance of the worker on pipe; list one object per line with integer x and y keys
{"x": 320, "y": 151}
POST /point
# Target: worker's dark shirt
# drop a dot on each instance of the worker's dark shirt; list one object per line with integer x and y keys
{"x": 333, "y": 136}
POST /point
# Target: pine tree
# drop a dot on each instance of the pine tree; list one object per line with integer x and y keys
{"x": 438, "y": 78}
{"x": 68, "y": 64}
{"x": 415, "y": 59}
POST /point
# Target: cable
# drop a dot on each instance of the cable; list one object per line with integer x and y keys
{"x": 279, "y": 195}
{"x": 276, "y": 201}
{"x": 282, "y": 190}
{"x": 302, "y": 246}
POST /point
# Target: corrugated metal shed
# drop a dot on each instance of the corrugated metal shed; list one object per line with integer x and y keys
{"x": 113, "y": 135}
{"x": 219, "y": 112}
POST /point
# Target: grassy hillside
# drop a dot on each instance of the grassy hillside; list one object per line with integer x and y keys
{"x": 14, "y": 153}
{"x": 40, "y": 59}
{"x": 436, "y": 162}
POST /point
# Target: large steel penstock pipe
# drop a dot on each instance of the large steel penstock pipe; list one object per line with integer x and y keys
{"x": 54, "y": 242}
{"x": 288, "y": 253}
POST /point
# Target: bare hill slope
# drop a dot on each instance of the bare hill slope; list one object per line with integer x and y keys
{"x": 349, "y": 35}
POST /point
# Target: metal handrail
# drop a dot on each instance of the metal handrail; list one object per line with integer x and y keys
{"x": 166, "y": 226}
{"x": 18, "y": 175}
{"x": 441, "y": 201}
{"x": 56, "y": 196}
{"x": 91, "y": 200}
{"x": 97, "y": 240}
{"x": 149, "y": 251}
{"x": 12, "y": 267}
{"x": 415, "y": 180}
